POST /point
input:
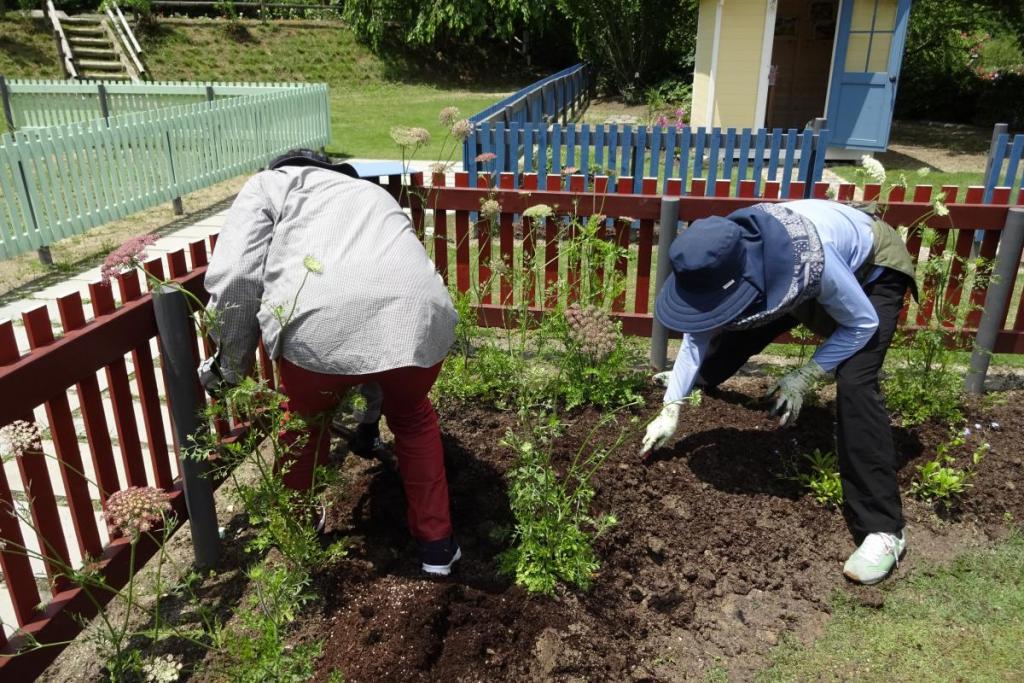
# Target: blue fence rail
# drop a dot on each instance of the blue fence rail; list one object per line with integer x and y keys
{"x": 1005, "y": 166}
{"x": 653, "y": 151}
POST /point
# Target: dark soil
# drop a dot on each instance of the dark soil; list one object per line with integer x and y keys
{"x": 718, "y": 553}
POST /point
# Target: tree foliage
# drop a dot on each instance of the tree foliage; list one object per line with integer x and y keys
{"x": 632, "y": 42}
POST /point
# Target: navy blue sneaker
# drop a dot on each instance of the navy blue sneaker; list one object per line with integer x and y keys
{"x": 437, "y": 557}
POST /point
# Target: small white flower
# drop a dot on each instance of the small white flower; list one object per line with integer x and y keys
{"x": 940, "y": 208}
{"x": 165, "y": 669}
{"x": 967, "y": 431}
{"x": 19, "y": 437}
{"x": 873, "y": 168}
{"x": 312, "y": 265}
{"x": 995, "y": 425}
{"x": 923, "y": 171}
{"x": 977, "y": 425}
{"x": 538, "y": 212}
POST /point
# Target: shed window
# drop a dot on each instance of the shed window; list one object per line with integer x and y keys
{"x": 872, "y": 27}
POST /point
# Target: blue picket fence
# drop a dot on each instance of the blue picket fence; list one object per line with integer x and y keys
{"x": 563, "y": 95}
{"x": 1006, "y": 165}
{"x": 657, "y": 152}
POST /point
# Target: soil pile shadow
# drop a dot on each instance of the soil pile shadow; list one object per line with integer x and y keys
{"x": 718, "y": 552}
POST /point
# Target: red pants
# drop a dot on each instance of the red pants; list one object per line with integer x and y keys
{"x": 411, "y": 418}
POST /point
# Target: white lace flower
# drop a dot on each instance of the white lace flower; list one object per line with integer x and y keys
{"x": 538, "y": 212}
{"x": 873, "y": 168}
{"x": 165, "y": 669}
{"x": 313, "y": 265}
{"x": 940, "y": 208}
{"x": 19, "y": 437}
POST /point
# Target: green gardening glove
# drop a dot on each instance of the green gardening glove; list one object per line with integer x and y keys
{"x": 790, "y": 390}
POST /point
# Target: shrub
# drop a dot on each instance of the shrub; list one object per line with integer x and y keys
{"x": 554, "y": 528}
{"x": 940, "y": 481}
{"x": 823, "y": 480}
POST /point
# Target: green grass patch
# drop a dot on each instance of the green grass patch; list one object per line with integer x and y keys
{"x": 962, "y": 179}
{"x": 964, "y": 622}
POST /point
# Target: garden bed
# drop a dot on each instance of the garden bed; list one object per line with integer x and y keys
{"x": 718, "y": 553}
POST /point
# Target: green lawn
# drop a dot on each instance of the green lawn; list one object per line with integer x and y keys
{"x": 962, "y": 179}
{"x": 964, "y": 622}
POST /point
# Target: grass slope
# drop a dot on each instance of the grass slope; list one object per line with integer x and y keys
{"x": 367, "y": 95}
{"x": 964, "y": 622}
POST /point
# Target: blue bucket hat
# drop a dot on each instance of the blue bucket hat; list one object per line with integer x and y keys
{"x": 740, "y": 271}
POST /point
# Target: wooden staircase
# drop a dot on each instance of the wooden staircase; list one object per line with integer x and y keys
{"x": 97, "y": 46}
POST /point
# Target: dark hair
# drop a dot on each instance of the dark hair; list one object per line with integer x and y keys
{"x": 301, "y": 157}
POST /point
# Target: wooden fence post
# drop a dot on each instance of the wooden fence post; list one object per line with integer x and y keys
{"x": 991, "y": 171}
{"x": 816, "y": 149}
{"x": 101, "y": 92}
{"x": 997, "y": 299}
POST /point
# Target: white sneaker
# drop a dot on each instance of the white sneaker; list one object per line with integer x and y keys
{"x": 876, "y": 557}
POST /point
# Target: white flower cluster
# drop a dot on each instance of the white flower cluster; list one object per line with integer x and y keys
{"x": 18, "y": 438}
{"x": 165, "y": 669}
{"x": 538, "y": 212}
{"x": 873, "y": 168}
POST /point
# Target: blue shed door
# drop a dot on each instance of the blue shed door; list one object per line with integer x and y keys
{"x": 869, "y": 49}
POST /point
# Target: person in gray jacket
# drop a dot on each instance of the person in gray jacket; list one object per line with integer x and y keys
{"x": 327, "y": 269}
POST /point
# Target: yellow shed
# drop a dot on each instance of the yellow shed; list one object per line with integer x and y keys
{"x": 784, "y": 63}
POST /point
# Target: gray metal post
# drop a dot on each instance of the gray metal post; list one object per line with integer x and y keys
{"x": 816, "y": 127}
{"x": 173, "y": 321}
{"x": 176, "y": 202}
{"x": 667, "y": 233}
{"x": 996, "y": 299}
{"x": 209, "y": 93}
{"x": 997, "y": 130}
{"x": 5, "y": 96}
{"x": 101, "y": 90}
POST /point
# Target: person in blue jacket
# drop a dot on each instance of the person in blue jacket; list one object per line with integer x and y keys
{"x": 740, "y": 281}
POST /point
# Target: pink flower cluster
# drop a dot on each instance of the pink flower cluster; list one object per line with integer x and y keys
{"x": 137, "y": 509}
{"x": 128, "y": 255}
{"x": 485, "y": 157}
{"x": 592, "y": 330}
{"x": 680, "y": 119}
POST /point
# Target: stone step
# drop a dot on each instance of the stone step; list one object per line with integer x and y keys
{"x": 85, "y": 30}
{"x": 100, "y": 64}
{"x": 105, "y": 76}
{"x": 94, "y": 52}
{"x": 82, "y": 19}
{"x": 84, "y": 41}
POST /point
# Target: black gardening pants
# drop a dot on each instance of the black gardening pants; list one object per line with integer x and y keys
{"x": 867, "y": 456}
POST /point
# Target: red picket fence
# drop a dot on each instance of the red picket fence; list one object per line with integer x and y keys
{"x": 458, "y": 231}
{"x": 63, "y": 372}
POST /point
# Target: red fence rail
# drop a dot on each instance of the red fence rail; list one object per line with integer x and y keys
{"x": 461, "y": 238}
{"x": 95, "y": 373}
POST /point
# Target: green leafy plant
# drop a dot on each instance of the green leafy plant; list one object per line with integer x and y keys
{"x": 554, "y": 528}
{"x": 823, "y": 480}
{"x": 940, "y": 481}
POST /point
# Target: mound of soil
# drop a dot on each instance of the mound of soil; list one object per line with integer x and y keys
{"x": 718, "y": 552}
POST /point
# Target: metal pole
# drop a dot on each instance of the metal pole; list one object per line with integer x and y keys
{"x": 5, "y": 95}
{"x": 997, "y": 299}
{"x": 101, "y": 90}
{"x": 209, "y": 93}
{"x": 667, "y": 233}
{"x": 173, "y": 320}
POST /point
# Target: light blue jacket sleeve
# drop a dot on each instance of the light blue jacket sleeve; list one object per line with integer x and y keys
{"x": 844, "y": 300}
{"x": 684, "y": 373}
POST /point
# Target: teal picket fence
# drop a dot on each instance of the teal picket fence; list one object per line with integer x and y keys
{"x": 36, "y": 103}
{"x": 61, "y": 180}
{"x": 659, "y": 152}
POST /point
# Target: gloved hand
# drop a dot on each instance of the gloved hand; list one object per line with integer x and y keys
{"x": 661, "y": 378}
{"x": 211, "y": 377}
{"x": 791, "y": 389}
{"x": 661, "y": 428}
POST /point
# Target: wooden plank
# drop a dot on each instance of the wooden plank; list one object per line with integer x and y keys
{"x": 90, "y": 404}
{"x": 17, "y": 571}
{"x": 462, "y": 265}
{"x": 120, "y": 396}
{"x": 551, "y": 250}
{"x": 530, "y": 289}
{"x": 506, "y": 244}
{"x": 65, "y": 442}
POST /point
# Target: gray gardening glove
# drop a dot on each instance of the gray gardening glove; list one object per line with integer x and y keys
{"x": 791, "y": 389}
{"x": 661, "y": 428}
{"x": 661, "y": 378}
